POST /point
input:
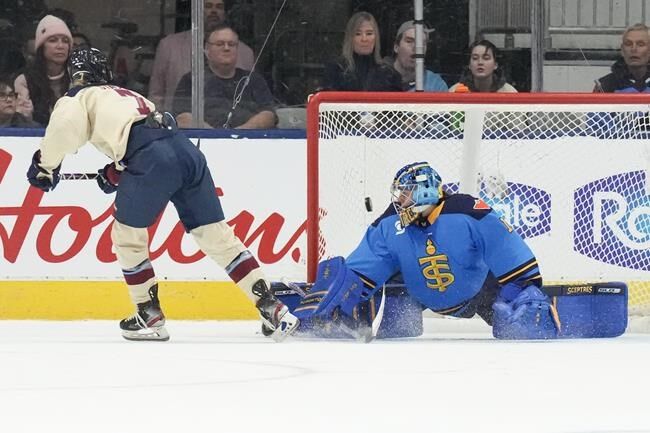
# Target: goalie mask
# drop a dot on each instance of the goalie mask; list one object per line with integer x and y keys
{"x": 415, "y": 188}
{"x": 90, "y": 66}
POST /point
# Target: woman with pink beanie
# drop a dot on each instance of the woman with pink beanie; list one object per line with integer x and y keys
{"x": 46, "y": 80}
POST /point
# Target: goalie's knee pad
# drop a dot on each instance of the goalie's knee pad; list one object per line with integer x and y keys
{"x": 529, "y": 315}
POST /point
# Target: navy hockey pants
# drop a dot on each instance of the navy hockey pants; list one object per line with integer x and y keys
{"x": 164, "y": 166}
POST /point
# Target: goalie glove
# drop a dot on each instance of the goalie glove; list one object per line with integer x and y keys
{"x": 40, "y": 178}
{"x": 108, "y": 178}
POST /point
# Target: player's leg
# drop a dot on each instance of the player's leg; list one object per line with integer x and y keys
{"x": 485, "y": 299}
{"x": 200, "y": 211}
{"x": 143, "y": 193}
{"x": 132, "y": 250}
{"x": 218, "y": 241}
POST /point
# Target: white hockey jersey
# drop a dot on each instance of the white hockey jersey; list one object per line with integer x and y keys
{"x": 101, "y": 115}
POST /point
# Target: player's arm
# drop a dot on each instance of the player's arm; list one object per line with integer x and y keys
{"x": 67, "y": 131}
{"x": 507, "y": 254}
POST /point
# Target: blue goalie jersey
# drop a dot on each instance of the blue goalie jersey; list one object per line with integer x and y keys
{"x": 445, "y": 259}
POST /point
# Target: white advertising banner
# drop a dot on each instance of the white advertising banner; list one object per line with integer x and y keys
{"x": 65, "y": 234}
{"x": 582, "y": 223}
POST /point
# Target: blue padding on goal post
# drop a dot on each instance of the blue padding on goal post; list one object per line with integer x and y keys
{"x": 591, "y": 310}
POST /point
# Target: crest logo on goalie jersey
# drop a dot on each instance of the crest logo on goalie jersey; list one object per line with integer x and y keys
{"x": 435, "y": 268}
{"x": 612, "y": 220}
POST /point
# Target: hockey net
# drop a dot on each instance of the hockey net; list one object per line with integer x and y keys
{"x": 568, "y": 171}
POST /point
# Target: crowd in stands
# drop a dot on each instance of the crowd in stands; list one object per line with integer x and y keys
{"x": 34, "y": 78}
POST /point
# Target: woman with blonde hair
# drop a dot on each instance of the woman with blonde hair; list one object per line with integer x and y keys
{"x": 360, "y": 66}
{"x": 46, "y": 80}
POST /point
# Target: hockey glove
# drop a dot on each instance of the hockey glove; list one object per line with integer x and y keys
{"x": 529, "y": 315}
{"x": 42, "y": 182}
{"x": 108, "y": 178}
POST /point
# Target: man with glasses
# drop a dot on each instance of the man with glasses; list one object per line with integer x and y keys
{"x": 174, "y": 56}
{"x": 8, "y": 116}
{"x": 232, "y": 100}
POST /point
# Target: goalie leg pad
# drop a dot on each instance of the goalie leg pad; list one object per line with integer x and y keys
{"x": 597, "y": 310}
{"x": 336, "y": 286}
{"x": 402, "y": 315}
{"x": 591, "y": 310}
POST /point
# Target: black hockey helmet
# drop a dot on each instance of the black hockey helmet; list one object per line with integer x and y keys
{"x": 89, "y": 65}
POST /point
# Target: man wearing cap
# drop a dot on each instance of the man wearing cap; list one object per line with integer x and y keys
{"x": 46, "y": 80}
{"x": 404, "y": 60}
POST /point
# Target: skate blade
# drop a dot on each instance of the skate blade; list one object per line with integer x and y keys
{"x": 285, "y": 329}
{"x": 147, "y": 334}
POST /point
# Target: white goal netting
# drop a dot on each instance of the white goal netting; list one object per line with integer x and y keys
{"x": 569, "y": 172}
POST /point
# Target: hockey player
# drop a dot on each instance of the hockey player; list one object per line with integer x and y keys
{"x": 455, "y": 255}
{"x": 152, "y": 164}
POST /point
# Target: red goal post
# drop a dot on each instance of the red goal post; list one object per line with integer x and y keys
{"x": 569, "y": 171}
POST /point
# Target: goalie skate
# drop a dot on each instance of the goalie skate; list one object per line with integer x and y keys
{"x": 148, "y": 323}
{"x": 277, "y": 321}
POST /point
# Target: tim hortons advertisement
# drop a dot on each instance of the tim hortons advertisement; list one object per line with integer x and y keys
{"x": 65, "y": 234}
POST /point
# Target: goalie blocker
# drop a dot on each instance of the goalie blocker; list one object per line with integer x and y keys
{"x": 333, "y": 306}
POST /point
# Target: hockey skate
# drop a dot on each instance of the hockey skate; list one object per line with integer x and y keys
{"x": 277, "y": 321}
{"x": 148, "y": 323}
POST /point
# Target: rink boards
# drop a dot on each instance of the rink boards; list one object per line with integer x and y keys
{"x": 57, "y": 261}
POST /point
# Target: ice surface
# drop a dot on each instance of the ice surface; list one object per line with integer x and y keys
{"x": 225, "y": 377}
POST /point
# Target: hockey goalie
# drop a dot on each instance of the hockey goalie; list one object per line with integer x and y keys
{"x": 454, "y": 255}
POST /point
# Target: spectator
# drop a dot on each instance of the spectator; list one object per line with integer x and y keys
{"x": 67, "y": 16}
{"x": 223, "y": 82}
{"x": 8, "y": 115}
{"x": 174, "y": 57}
{"x": 483, "y": 73}
{"x": 360, "y": 66}
{"x": 46, "y": 80}
{"x": 80, "y": 40}
{"x": 630, "y": 74}
{"x": 404, "y": 60}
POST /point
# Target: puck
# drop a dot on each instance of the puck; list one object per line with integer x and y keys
{"x": 368, "y": 202}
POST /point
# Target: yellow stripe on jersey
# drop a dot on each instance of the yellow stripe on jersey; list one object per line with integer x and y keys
{"x": 436, "y": 213}
{"x": 518, "y": 271}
